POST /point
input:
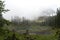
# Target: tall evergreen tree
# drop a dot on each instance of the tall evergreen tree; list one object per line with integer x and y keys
{"x": 58, "y": 18}
{"x": 2, "y": 9}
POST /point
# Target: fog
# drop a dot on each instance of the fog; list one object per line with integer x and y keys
{"x": 29, "y": 9}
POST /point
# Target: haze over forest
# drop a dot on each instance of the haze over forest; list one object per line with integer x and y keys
{"x": 30, "y": 9}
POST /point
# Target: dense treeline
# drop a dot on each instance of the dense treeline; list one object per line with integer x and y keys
{"x": 54, "y": 20}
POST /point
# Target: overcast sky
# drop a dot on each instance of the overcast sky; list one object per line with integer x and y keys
{"x": 29, "y": 8}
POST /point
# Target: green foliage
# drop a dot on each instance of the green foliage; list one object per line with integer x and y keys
{"x": 2, "y": 9}
{"x": 10, "y": 35}
{"x": 58, "y": 18}
{"x": 53, "y": 21}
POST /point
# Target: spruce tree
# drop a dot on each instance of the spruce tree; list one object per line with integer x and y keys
{"x": 2, "y": 10}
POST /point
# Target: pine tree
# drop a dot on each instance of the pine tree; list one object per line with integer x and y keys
{"x": 2, "y": 9}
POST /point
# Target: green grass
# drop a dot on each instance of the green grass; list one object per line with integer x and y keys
{"x": 39, "y": 37}
{"x": 36, "y": 37}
